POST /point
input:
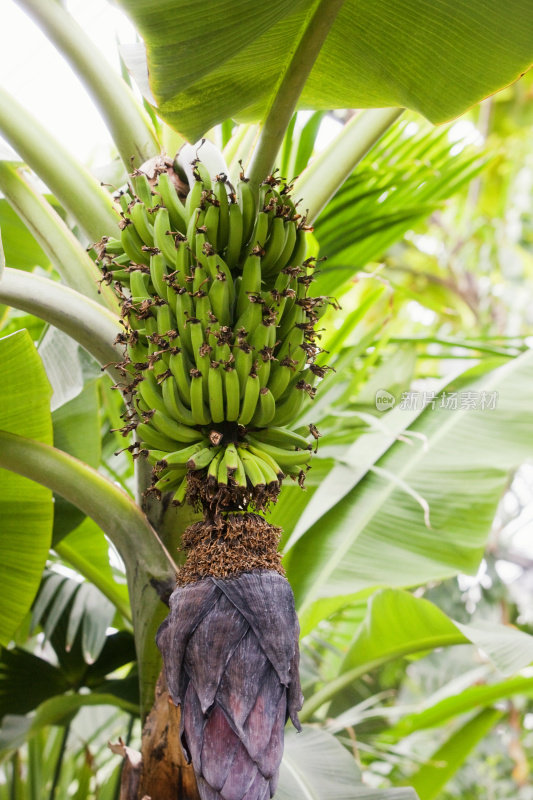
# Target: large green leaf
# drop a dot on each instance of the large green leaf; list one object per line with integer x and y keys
{"x": 398, "y": 624}
{"x": 57, "y": 710}
{"x": 438, "y": 713}
{"x": 26, "y": 681}
{"x": 70, "y": 258}
{"x": 148, "y": 564}
{"x": 20, "y": 248}
{"x": 401, "y": 180}
{"x": 87, "y": 322}
{"x": 81, "y": 607}
{"x": 87, "y": 550}
{"x": 316, "y": 767}
{"x": 374, "y": 529}
{"x": 25, "y": 507}
{"x": 447, "y": 759}
{"x": 436, "y": 58}
{"x": 76, "y": 431}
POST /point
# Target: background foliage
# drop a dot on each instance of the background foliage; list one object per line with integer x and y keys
{"x": 429, "y": 251}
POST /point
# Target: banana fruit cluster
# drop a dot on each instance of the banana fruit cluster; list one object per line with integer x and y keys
{"x": 219, "y": 331}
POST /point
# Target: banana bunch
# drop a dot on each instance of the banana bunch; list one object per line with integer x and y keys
{"x": 219, "y": 332}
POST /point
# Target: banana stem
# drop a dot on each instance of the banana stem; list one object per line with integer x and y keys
{"x": 89, "y": 323}
{"x": 59, "y": 243}
{"x": 148, "y": 563}
{"x": 285, "y": 97}
{"x": 127, "y": 122}
{"x": 72, "y": 184}
{"x": 318, "y": 183}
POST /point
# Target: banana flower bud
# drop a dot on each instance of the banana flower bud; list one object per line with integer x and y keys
{"x": 230, "y": 650}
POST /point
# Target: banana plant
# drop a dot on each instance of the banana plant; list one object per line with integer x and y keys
{"x": 192, "y": 288}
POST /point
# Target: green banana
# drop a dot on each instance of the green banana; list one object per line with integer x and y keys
{"x": 174, "y": 406}
{"x": 274, "y": 245}
{"x": 220, "y": 299}
{"x": 194, "y": 198}
{"x": 243, "y": 364}
{"x": 169, "y": 196}
{"x": 232, "y": 459}
{"x": 132, "y": 244}
{"x": 253, "y": 471}
{"x": 180, "y": 367}
{"x": 222, "y": 469}
{"x": 250, "y": 284}
{"x": 288, "y": 409}
{"x": 214, "y": 466}
{"x": 260, "y": 231}
{"x": 199, "y": 410}
{"x": 235, "y": 236}
{"x": 125, "y": 199}
{"x": 219, "y": 329}
{"x": 239, "y": 476}
{"x": 270, "y": 475}
{"x": 279, "y": 378}
{"x": 174, "y": 430}
{"x": 150, "y": 393}
{"x": 249, "y": 402}
{"x": 143, "y": 226}
{"x": 171, "y": 479}
{"x": 184, "y": 311}
{"x": 273, "y": 464}
{"x": 216, "y": 392}
{"x": 221, "y": 195}
{"x": 157, "y": 272}
{"x": 232, "y": 391}
{"x": 163, "y": 238}
{"x": 154, "y": 438}
{"x": 165, "y": 319}
{"x": 247, "y": 204}
{"x": 288, "y": 247}
{"x": 142, "y": 189}
{"x": 282, "y": 437}
{"x": 202, "y": 458}
{"x": 211, "y": 223}
{"x": 179, "y": 458}
{"x": 266, "y": 409}
{"x": 139, "y": 286}
{"x": 179, "y": 496}
{"x": 280, "y": 455}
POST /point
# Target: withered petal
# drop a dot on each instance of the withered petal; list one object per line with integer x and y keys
{"x": 188, "y": 606}
{"x": 259, "y": 790}
{"x": 295, "y": 698}
{"x": 242, "y": 773}
{"x": 192, "y": 728}
{"x": 218, "y": 750}
{"x": 245, "y": 672}
{"x": 265, "y": 599}
{"x": 258, "y": 727}
{"x": 269, "y": 760}
{"x": 211, "y": 645}
{"x": 206, "y": 792}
